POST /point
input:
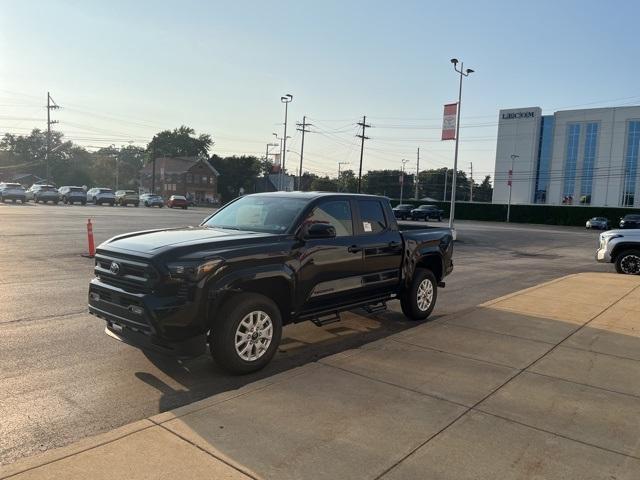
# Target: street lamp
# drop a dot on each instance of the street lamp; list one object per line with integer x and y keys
{"x": 402, "y": 180}
{"x": 463, "y": 73}
{"x": 510, "y": 181}
{"x": 286, "y": 99}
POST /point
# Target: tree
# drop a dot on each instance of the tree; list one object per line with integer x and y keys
{"x": 347, "y": 182}
{"x": 324, "y": 184}
{"x": 179, "y": 142}
{"x": 484, "y": 191}
{"x": 238, "y": 175}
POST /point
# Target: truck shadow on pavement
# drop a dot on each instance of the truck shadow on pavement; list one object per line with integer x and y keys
{"x": 301, "y": 343}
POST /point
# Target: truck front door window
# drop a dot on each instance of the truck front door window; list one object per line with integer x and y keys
{"x": 337, "y": 214}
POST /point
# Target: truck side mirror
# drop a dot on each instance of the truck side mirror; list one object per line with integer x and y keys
{"x": 319, "y": 230}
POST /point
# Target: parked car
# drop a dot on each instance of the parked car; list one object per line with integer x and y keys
{"x": 13, "y": 192}
{"x": 178, "y": 201}
{"x": 630, "y": 221}
{"x": 43, "y": 193}
{"x": 260, "y": 262}
{"x": 621, "y": 247}
{"x": 73, "y": 195}
{"x": 600, "y": 223}
{"x": 100, "y": 196}
{"x": 151, "y": 200}
{"x": 127, "y": 197}
{"x": 425, "y": 212}
{"x": 403, "y": 212}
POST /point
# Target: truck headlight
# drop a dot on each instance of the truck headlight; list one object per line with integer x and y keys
{"x": 193, "y": 271}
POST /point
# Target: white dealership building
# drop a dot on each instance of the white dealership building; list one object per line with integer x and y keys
{"x": 573, "y": 157}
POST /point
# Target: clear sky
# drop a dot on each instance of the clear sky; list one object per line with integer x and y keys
{"x": 123, "y": 70}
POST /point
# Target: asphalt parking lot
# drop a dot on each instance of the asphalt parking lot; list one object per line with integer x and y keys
{"x": 62, "y": 379}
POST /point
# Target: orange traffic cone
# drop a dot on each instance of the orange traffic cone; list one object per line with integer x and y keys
{"x": 92, "y": 246}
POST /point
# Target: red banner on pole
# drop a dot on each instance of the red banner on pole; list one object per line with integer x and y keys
{"x": 449, "y": 121}
{"x": 510, "y": 180}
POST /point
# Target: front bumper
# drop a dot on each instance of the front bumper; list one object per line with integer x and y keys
{"x": 161, "y": 324}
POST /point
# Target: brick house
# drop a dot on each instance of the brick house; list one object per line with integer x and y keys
{"x": 195, "y": 179}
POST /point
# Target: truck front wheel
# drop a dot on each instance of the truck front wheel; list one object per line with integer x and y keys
{"x": 246, "y": 334}
{"x": 419, "y": 299}
{"x": 628, "y": 262}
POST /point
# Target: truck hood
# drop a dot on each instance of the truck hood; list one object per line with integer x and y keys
{"x": 151, "y": 242}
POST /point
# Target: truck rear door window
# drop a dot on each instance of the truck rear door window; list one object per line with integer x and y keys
{"x": 371, "y": 216}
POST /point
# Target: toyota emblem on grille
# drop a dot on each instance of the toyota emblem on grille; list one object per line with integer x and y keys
{"x": 114, "y": 268}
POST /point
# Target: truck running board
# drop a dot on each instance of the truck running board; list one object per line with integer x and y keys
{"x": 379, "y": 307}
{"x": 326, "y": 319}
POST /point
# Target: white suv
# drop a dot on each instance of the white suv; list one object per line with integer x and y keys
{"x": 99, "y": 195}
{"x": 621, "y": 247}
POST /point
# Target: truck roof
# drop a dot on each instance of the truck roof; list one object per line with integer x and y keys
{"x": 313, "y": 195}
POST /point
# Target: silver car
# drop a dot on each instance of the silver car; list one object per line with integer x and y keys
{"x": 100, "y": 196}
{"x": 600, "y": 223}
{"x": 43, "y": 193}
{"x": 13, "y": 192}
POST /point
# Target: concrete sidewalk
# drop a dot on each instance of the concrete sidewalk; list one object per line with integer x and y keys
{"x": 543, "y": 383}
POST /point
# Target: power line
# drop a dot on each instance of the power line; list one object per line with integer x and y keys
{"x": 51, "y": 105}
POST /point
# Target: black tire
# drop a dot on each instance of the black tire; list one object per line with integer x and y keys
{"x": 628, "y": 262}
{"x": 95, "y": 201}
{"x": 222, "y": 338}
{"x": 184, "y": 208}
{"x": 146, "y": 204}
{"x": 409, "y": 296}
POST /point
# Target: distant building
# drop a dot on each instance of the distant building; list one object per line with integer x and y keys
{"x": 573, "y": 157}
{"x": 195, "y": 179}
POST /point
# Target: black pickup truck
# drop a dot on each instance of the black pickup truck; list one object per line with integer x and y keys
{"x": 260, "y": 262}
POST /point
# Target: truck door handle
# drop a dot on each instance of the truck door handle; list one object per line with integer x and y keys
{"x": 354, "y": 249}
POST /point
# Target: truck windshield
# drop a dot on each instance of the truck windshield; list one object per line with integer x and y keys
{"x": 258, "y": 214}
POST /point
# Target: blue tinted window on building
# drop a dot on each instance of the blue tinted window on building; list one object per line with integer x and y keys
{"x": 588, "y": 163}
{"x": 545, "y": 151}
{"x": 571, "y": 160}
{"x": 631, "y": 164}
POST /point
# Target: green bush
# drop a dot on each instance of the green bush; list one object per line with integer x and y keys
{"x": 575, "y": 215}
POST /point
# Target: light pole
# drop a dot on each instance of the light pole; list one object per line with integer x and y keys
{"x": 266, "y": 157}
{"x": 402, "y": 180}
{"x": 339, "y": 165}
{"x": 463, "y": 73}
{"x": 286, "y": 99}
{"x": 513, "y": 157}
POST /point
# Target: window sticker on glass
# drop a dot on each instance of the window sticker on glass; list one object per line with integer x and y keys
{"x": 366, "y": 226}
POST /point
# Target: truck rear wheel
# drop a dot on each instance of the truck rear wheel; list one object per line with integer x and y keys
{"x": 247, "y": 333}
{"x": 419, "y": 299}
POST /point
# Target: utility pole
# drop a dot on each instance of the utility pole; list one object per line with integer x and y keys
{"x": 471, "y": 192}
{"x": 417, "y": 172}
{"x": 446, "y": 174}
{"x": 364, "y": 125}
{"x": 302, "y": 128}
{"x": 339, "y": 165}
{"x": 402, "y": 180}
{"x": 51, "y": 105}
{"x": 286, "y": 99}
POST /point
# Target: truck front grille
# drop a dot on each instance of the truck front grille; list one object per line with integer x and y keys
{"x": 132, "y": 275}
